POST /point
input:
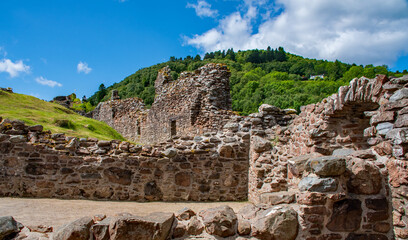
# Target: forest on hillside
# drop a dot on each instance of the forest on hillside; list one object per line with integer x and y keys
{"x": 270, "y": 76}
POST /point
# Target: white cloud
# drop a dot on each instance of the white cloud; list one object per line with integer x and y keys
{"x": 13, "y": 68}
{"x": 203, "y": 9}
{"x": 365, "y": 31}
{"x": 46, "y": 82}
{"x": 83, "y": 67}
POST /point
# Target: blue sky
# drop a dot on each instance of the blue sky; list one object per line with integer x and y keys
{"x": 50, "y": 48}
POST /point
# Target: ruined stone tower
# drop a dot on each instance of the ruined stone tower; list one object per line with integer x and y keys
{"x": 195, "y": 103}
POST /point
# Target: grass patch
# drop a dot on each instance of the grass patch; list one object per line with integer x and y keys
{"x": 53, "y": 117}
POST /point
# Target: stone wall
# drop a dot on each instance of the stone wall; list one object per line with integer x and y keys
{"x": 125, "y": 116}
{"x": 338, "y": 170}
{"x": 341, "y": 164}
{"x": 36, "y": 163}
{"x": 194, "y": 104}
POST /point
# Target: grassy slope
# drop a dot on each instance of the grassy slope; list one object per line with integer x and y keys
{"x": 35, "y": 111}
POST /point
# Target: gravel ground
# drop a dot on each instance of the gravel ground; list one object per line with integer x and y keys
{"x": 56, "y": 212}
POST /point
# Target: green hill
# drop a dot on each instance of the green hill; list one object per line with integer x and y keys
{"x": 53, "y": 117}
{"x": 270, "y": 76}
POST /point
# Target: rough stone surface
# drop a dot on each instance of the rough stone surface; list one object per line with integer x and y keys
{"x": 277, "y": 198}
{"x": 315, "y": 184}
{"x": 77, "y": 230}
{"x": 8, "y": 226}
{"x": 244, "y": 227}
{"x": 384, "y": 128}
{"x": 328, "y": 166}
{"x": 179, "y": 230}
{"x": 155, "y": 226}
{"x": 260, "y": 144}
{"x": 276, "y": 223}
{"x": 195, "y": 226}
{"x": 170, "y": 153}
{"x": 354, "y": 236}
{"x": 220, "y": 221}
{"x": 398, "y": 172}
{"x": 365, "y": 178}
{"x": 64, "y": 167}
{"x": 221, "y": 156}
{"x": 100, "y": 230}
{"x": 400, "y": 94}
{"x": 346, "y": 216}
{"x": 185, "y": 214}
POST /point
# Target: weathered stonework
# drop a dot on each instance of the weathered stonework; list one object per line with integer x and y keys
{"x": 40, "y": 164}
{"x": 338, "y": 170}
{"x": 125, "y": 116}
{"x": 194, "y": 104}
{"x": 345, "y": 160}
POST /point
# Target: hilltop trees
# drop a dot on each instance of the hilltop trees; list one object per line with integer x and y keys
{"x": 270, "y": 76}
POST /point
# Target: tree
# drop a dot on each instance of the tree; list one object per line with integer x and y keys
{"x": 280, "y": 55}
{"x": 101, "y": 93}
{"x": 230, "y": 54}
{"x": 197, "y": 58}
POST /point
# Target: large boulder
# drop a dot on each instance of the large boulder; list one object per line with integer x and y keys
{"x": 346, "y": 216}
{"x": 327, "y": 166}
{"x": 155, "y": 226}
{"x": 220, "y": 221}
{"x": 298, "y": 165}
{"x": 185, "y": 214}
{"x": 195, "y": 226}
{"x": 170, "y": 152}
{"x": 275, "y": 223}
{"x": 314, "y": 184}
{"x": 400, "y": 94}
{"x": 365, "y": 178}
{"x": 260, "y": 144}
{"x": 398, "y": 135}
{"x": 100, "y": 231}
{"x": 8, "y": 226}
{"x": 76, "y": 230}
{"x": 268, "y": 108}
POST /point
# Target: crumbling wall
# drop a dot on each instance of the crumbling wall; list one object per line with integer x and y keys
{"x": 125, "y": 116}
{"x": 338, "y": 170}
{"x": 341, "y": 163}
{"x": 196, "y": 103}
{"x": 36, "y": 163}
{"x": 193, "y": 104}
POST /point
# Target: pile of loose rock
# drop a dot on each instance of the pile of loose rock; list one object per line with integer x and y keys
{"x": 251, "y": 222}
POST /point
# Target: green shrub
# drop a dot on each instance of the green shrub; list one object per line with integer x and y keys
{"x": 64, "y": 123}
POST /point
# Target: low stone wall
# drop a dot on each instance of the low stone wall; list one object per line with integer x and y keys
{"x": 36, "y": 163}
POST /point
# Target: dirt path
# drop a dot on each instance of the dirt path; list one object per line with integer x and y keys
{"x": 55, "y": 212}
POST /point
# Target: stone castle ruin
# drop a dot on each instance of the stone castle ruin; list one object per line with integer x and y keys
{"x": 338, "y": 170}
{"x": 194, "y": 104}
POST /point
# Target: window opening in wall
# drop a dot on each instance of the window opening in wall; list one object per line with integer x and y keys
{"x": 173, "y": 128}
{"x": 138, "y": 128}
